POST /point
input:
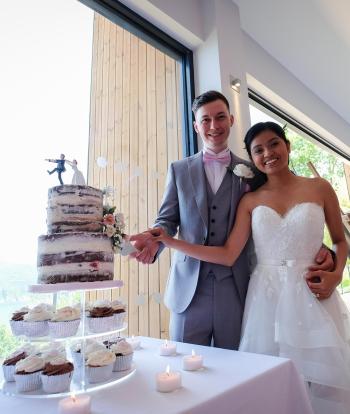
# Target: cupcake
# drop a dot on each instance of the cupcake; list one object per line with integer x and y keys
{"x": 16, "y": 321}
{"x": 57, "y": 375}
{"x": 52, "y": 351}
{"x": 90, "y": 346}
{"x": 28, "y": 371}
{"x": 36, "y": 321}
{"x": 64, "y": 322}
{"x": 9, "y": 365}
{"x": 124, "y": 353}
{"x": 119, "y": 311}
{"x": 99, "y": 366}
{"x": 101, "y": 317}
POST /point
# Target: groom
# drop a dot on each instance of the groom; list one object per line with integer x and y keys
{"x": 202, "y": 193}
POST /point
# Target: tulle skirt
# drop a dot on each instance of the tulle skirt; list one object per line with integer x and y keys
{"x": 283, "y": 318}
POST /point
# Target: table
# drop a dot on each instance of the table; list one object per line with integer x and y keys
{"x": 231, "y": 383}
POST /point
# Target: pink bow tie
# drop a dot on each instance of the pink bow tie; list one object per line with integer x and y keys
{"x": 222, "y": 158}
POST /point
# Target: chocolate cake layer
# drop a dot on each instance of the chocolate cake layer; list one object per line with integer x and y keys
{"x": 74, "y": 208}
{"x": 75, "y": 257}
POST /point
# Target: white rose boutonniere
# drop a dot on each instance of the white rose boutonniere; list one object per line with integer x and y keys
{"x": 241, "y": 171}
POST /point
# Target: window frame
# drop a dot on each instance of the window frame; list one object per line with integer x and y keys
{"x": 255, "y": 97}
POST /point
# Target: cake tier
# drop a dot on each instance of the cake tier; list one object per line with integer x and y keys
{"x": 74, "y": 208}
{"x": 75, "y": 257}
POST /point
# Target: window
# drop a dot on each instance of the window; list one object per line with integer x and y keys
{"x": 105, "y": 87}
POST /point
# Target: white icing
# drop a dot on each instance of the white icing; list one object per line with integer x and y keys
{"x": 30, "y": 364}
{"x": 59, "y": 360}
{"x": 103, "y": 303}
{"x": 38, "y": 313}
{"x": 67, "y": 313}
{"x": 100, "y": 358}
{"x": 52, "y": 354}
{"x": 28, "y": 349}
{"x": 79, "y": 243}
{"x": 116, "y": 305}
{"x": 122, "y": 347}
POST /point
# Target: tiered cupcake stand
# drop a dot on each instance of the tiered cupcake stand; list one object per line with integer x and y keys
{"x": 79, "y": 383}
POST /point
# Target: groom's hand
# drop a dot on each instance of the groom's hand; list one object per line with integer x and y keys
{"x": 146, "y": 246}
{"x": 320, "y": 278}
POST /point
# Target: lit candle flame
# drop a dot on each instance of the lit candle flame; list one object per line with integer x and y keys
{"x": 73, "y": 397}
{"x": 166, "y": 342}
{"x": 193, "y": 353}
{"x": 132, "y": 337}
{"x": 167, "y": 369}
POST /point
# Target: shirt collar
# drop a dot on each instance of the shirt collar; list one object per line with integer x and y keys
{"x": 209, "y": 151}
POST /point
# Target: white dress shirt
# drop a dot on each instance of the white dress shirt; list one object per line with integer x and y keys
{"x": 215, "y": 171}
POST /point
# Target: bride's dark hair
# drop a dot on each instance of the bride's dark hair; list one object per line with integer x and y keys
{"x": 258, "y": 129}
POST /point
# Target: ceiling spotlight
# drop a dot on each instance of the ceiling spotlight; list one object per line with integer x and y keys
{"x": 235, "y": 84}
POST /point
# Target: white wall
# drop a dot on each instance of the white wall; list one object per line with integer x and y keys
{"x": 211, "y": 28}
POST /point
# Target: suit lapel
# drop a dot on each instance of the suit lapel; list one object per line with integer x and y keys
{"x": 235, "y": 196}
{"x": 198, "y": 181}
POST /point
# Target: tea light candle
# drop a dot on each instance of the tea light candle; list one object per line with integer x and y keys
{"x": 75, "y": 405}
{"x": 168, "y": 381}
{"x": 134, "y": 342}
{"x": 167, "y": 349}
{"x": 192, "y": 362}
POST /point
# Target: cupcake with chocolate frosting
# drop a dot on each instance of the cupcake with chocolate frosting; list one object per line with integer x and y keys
{"x": 28, "y": 371}
{"x": 16, "y": 322}
{"x": 101, "y": 317}
{"x": 57, "y": 375}
{"x": 9, "y": 365}
{"x": 64, "y": 322}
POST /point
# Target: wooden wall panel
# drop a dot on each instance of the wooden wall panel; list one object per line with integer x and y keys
{"x": 135, "y": 124}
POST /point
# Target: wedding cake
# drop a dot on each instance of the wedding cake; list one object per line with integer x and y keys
{"x": 76, "y": 248}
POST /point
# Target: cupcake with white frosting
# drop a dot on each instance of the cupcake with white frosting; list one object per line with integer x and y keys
{"x": 28, "y": 371}
{"x": 64, "y": 322}
{"x": 17, "y": 321}
{"x": 124, "y": 354}
{"x": 57, "y": 375}
{"x": 99, "y": 366}
{"x": 90, "y": 346}
{"x": 9, "y": 364}
{"x": 101, "y": 317}
{"x": 119, "y": 310}
{"x": 36, "y": 321}
{"x": 52, "y": 351}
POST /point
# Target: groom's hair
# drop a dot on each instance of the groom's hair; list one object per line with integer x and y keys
{"x": 207, "y": 97}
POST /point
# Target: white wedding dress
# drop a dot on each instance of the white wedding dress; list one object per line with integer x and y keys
{"x": 283, "y": 318}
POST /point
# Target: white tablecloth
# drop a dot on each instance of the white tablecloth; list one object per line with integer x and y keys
{"x": 232, "y": 382}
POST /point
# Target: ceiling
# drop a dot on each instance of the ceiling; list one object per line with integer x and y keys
{"x": 311, "y": 38}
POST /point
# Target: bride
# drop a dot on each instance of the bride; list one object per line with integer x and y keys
{"x": 282, "y": 317}
{"x": 78, "y": 177}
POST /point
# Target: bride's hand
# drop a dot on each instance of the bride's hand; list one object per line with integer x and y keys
{"x": 160, "y": 235}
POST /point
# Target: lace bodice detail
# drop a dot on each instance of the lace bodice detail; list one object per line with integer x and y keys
{"x": 296, "y": 235}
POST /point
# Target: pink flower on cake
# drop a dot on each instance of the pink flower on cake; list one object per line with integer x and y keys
{"x": 110, "y": 230}
{"x": 108, "y": 219}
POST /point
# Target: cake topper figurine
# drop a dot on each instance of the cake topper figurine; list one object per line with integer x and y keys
{"x": 78, "y": 177}
{"x": 60, "y": 166}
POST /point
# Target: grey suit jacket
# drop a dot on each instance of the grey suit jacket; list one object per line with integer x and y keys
{"x": 184, "y": 210}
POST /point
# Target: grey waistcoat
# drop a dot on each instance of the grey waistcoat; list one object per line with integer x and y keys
{"x": 219, "y": 207}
